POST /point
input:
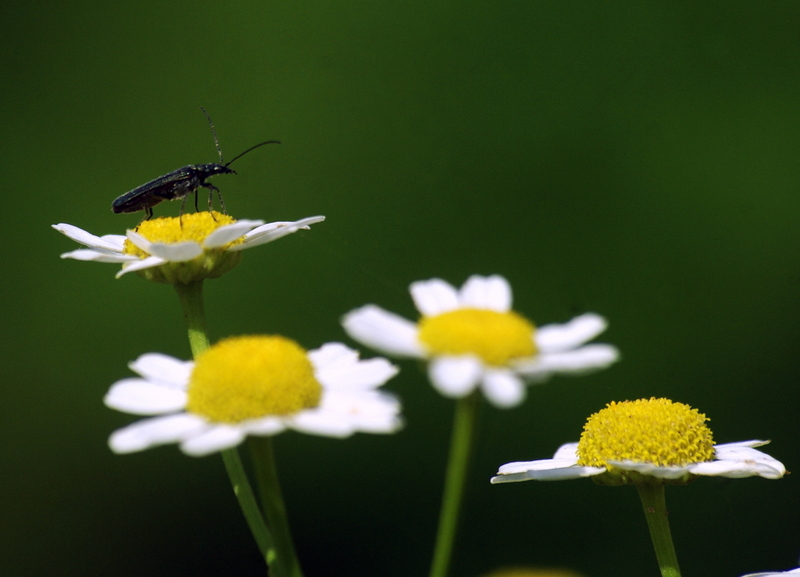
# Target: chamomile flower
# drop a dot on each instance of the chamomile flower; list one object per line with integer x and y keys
{"x": 180, "y": 250}
{"x": 472, "y": 338}
{"x": 252, "y": 385}
{"x": 646, "y": 441}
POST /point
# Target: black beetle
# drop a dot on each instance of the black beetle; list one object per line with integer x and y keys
{"x": 179, "y": 183}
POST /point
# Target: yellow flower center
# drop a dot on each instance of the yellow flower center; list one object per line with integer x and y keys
{"x": 249, "y": 377}
{"x": 656, "y": 431}
{"x": 495, "y": 337}
{"x": 172, "y": 230}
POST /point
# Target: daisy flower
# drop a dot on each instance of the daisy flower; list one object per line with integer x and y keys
{"x": 472, "y": 338}
{"x": 646, "y": 441}
{"x": 252, "y": 385}
{"x": 649, "y": 443}
{"x": 180, "y": 250}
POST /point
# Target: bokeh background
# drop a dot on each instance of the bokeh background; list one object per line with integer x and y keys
{"x": 635, "y": 159}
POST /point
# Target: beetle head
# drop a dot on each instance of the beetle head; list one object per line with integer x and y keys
{"x": 213, "y": 168}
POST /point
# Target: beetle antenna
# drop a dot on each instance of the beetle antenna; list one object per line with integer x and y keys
{"x": 251, "y": 148}
{"x": 214, "y": 134}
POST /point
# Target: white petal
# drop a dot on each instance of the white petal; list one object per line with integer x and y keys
{"x": 230, "y": 232}
{"x": 574, "y": 472}
{"x": 377, "y": 422}
{"x": 321, "y": 422}
{"x": 364, "y": 375}
{"x": 338, "y": 366}
{"x": 141, "y": 397}
{"x": 563, "y": 465}
{"x": 365, "y": 411}
{"x": 724, "y": 448}
{"x": 455, "y": 377}
{"x": 112, "y": 242}
{"x": 503, "y": 388}
{"x": 109, "y": 242}
{"x": 170, "y": 252}
{"x": 215, "y": 438}
{"x": 739, "y": 469}
{"x": 741, "y": 460}
{"x": 517, "y": 467}
{"x": 380, "y": 425}
{"x": 434, "y": 296}
{"x": 653, "y": 470}
{"x": 510, "y": 478}
{"x": 89, "y": 254}
{"x": 157, "y": 431}
{"x": 264, "y": 426}
{"x": 273, "y": 231}
{"x": 492, "y": 293}
{"x": 567, "y": 451}
{"x": 585, "y": 359}
{"x": 149, "y": 262}
{"x": 163, "y": 369}
{"x": 555, "y": 338}
{"x": 332, "y": 353}
{"x": 138, "y": 240}
{"x": 383, "y": 331}
{"x": 544, "y": 470}
{"x": 744, "y": 452}
{"x": 178, "y": 252}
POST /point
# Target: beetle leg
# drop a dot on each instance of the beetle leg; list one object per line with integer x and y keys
{"x": 183, "y": 204}
{"x": 221, "y": 204}
{"x": 211, "y": 190}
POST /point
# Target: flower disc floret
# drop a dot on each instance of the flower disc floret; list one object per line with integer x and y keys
{"x": 193, "y": 227}
{"x": 496, "y": 337}
{"x": 250, "y": 377}
{"x": 655, "y": 431}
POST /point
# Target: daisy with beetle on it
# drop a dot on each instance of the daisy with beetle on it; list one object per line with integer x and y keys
{"x": 181, "y": 249}
{"x": 648, "y": 443}
{"x": 472, "y": 340}
{"x": 204, "y": 416}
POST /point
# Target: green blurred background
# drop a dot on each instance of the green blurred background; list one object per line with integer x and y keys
{"x": 635, "y": 159}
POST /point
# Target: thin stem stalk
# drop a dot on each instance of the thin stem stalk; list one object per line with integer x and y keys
{"x": 655, "y": 511}
{"x": 269, "y": 490}
{"x": 455, "y": 481}
{"x": 194, "y": 314}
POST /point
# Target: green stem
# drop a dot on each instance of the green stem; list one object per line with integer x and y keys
{"x": 455, "y": 479}
{"x": 191, "y": 299}
{"x": 269, "y": 490}
{"x": 655, "y": 511}
{"x": 249, "y": 505}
